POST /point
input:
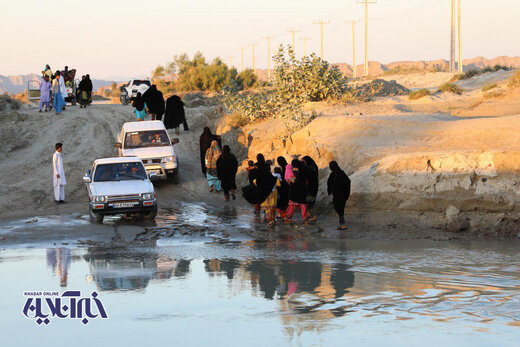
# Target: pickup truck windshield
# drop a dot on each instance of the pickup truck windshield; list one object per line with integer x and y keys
{"x": 149, "y": 138}
{"x": 119, "y": 172}
{"x": 139, "y": 82}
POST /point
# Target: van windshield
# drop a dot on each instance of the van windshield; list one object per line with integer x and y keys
{"x": 148, "y": 138}
{"x": 119, "y": 172}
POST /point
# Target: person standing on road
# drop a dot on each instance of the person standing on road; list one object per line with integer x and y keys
{"x": 59, "y": 180}
{"x": 83, "y": 92}
{"x": 227, "y": 167}
{"x": 212, "y": 155}
{"x": 140, "y": 107}
{"x": 89, "y": 87}
{"x": 174, "y": 115}
{"x": 45, "y": 93}
{"x": 297, "y": 190}
{"x": 58, "y": 89}
{"x": 155, "y": 101}
{"x": 206, "y": 138}
{"x": 338, "y": 185}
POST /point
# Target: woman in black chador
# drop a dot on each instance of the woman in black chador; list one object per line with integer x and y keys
{"x": 338, "y": 185}
{"x": 227, "y": 166}
{"x": 174, "y": 115}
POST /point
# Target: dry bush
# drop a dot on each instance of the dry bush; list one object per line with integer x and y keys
{"x": 417, "y": 94}
{"x": 489, "y": 87}
{"x": 450, "y": 87}
{"x": 6, "y": 102}
{"x": 514, "y": 81}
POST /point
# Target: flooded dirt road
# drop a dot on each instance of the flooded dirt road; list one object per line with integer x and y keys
{"x": 186, "y": 281}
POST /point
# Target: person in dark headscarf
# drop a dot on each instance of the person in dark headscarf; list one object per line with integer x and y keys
{"x": 174, "y": 115}
{"x": 297, "y": 190}
{"x": 83, "y": 92}
{"x": 263, "y": 184}
{"x": 140, "y": 107}
{"x": 282, "y": 163}
{"x": 312, "y": 176}
{"x": 283, "y": 193}
{"x": 227, "y": 166}
{"x": 212, "y": 155}
{"x": 338, "y": 185}
{"x": 205, "y": 143}
{"x": 155, "y": 101}
{"x": 89, "y": 87}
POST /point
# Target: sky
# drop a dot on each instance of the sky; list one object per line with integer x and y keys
{"x": 120, "y": 39}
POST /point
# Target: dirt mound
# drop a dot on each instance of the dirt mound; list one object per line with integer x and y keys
{"x": 7, "y": 103}
{"x": 380, "y": 87}
{"x": 197, "y": 99}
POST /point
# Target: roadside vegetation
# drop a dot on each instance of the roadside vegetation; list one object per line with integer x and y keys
{"x": 450, "y": 87}
{"x": 417, "y": 94}
{"x": 489, "y": 87}
{"x": 294, "y": 83}
{"x": 476, "y": 72}
{"x": 9, "y": 103}
{"x": 514, "y": 82}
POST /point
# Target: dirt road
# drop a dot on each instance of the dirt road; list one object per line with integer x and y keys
{"x": 27, "y": 144}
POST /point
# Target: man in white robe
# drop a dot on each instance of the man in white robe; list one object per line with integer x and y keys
{"x": 59, "y": 180}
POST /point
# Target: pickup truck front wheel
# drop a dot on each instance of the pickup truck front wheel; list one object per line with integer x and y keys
{"x": 150, "y": 215}
{"x": 95, "y": 217}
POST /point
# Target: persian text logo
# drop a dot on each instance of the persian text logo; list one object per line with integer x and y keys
{"x": 43, "y": 306}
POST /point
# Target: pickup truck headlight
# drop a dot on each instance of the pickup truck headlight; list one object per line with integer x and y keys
{"x": 169, "y": 159}
{"x": 147, "y": 196}
{"x": 99, "y": 199}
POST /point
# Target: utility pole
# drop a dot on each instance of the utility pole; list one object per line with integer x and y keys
{"x": 253, "y": 45}
{"x": 293, "y": 31}
{"x": 230, "y": 62}
{"x": 459, "y": 39}
{"x": 452, "y": 37}
{"x": 305, "y": 39}
{"x": 241, "y": 58}
{"x": 268, "y": 38}
{"x": 354, "y": 67}
{"x": 366, "y": 2}
{"x": 321, "y": 22}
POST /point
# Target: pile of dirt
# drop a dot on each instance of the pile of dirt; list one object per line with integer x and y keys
{"x": 378, "y": 88}
{"x": 197, "y": 99}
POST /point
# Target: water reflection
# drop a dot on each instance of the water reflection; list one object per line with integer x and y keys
{"x": 58, "y": 259}
{"x": 131, "y": 269}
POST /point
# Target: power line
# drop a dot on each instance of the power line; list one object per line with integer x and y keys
{"x": 366, "y": 2}
{"x": 321, "y": 23}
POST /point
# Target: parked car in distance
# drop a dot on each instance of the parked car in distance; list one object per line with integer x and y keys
{"x": 149, "y": 141}
{"x": 130, "y": 89}
{"x": 119, "y": 185}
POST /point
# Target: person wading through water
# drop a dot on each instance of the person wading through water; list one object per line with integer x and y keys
{"x": 227, "y": 167}
{"x": 174, "y": 115}
{"x": 312, "y": 176}
{"x": 297, "y": 190}
{"x": 212, "y": 155}
{"x": 140, "y": 107}
{"x": 206, "y": 138}
{"x": 154, "y": 101}
{"x": 263, "y": 184}
{"x": 338, "y": 185}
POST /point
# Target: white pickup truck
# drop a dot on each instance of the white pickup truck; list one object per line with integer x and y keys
{"x": 130, "y": 89}
{"x": 117, "y": 186}
{"x": 149, "y": 141}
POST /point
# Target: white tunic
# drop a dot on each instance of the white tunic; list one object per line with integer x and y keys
{"x": 57, "y": 166}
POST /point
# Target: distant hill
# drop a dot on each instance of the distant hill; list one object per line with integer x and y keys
{"x": 15, "y": 84}
{"x": 377, "y": 69}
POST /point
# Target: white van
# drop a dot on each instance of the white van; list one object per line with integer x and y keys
{"x": 149, "y": 141}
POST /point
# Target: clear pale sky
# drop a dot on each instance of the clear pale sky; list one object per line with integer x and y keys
{"x": 109, "y": 38}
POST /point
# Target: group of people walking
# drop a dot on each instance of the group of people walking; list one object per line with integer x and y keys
{"x": 277, "y": 190}
{"x": 151, "y": 103}
{"x": 53, "y": 86}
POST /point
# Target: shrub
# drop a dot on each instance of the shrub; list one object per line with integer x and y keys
{"x": 295, "y": 82}
{"x": 489, "y": 87}
{"x": 477, "y": 72}
{"x": 493, "y": 94}
{"x": 8, "y": 102}
{"x": 514, "y": 81}
{"x": 450, "y": 87}
{"x": 247, "y": 79}
{"x": 403, "y": 70}
{"x": 417, "y": 94}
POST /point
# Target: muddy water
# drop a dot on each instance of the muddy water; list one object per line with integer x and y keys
{"x": 295, "y": 291}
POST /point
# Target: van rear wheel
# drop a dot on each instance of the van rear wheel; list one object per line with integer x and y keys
{"x": 95, "y": 217}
